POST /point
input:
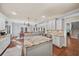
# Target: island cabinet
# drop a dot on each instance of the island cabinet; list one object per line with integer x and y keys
{"x": 38, "y": 46}
{"x": 4, "y": 43}
{"x": 58, "y": 41}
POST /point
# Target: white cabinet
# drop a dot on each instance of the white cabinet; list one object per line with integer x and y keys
{"x": 58, "y": 41}
{"x": 53, "y": 24}
{"x": 43, "y": 49}
{"x": 60, "y": 24}
{"x": 2, "y": 22}
{"x": 4, "y": 42}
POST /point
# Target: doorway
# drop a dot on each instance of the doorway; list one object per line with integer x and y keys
{"x": 68, "y": 33}
{"x": 75, "y": 30}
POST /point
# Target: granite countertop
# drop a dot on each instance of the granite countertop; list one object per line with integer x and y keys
{"x": 57, "y": 33}
{"x": 2, "y": 37}
{"x": 28, "y": 33}
{"x": 53, "y": 33}
{"x": 35, "y": 40}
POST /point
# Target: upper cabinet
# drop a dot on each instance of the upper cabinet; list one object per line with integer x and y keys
{"x": 53, "y": 24}
{"x": 2, "y": 22}
{"x": 59, "y": 24}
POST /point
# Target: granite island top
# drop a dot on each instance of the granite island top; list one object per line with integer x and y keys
{"x": 35, "y": 40}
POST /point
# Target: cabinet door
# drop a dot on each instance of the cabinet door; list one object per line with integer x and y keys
{"x": 53, "y": 40}
{"x": 59, "y": 24}
{"x": 62, "y": 42}
{"x": 57, "y": 41}
{"x": 2, "y": 45}
{"x": 2, "y": 23}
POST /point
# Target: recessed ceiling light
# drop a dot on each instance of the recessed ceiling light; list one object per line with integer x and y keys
{"x": 43, "y": 16}
{"x": 13, "y": 13}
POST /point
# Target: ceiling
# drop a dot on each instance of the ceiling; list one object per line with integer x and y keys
{"x": 35, "y": 11}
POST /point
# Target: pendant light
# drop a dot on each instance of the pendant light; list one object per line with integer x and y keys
{"x": 28, "y": 24}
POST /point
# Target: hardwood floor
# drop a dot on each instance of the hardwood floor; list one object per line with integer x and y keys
{"x": 71, "y": 50}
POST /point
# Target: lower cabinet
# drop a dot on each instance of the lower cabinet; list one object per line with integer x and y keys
{"x": 58, "y": 41}
{"x": 43, "y": 49}
{"x": 4, "y": 43}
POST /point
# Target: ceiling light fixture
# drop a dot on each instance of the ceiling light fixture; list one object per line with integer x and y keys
{"x": 13, "y": 13}
{"x": 43, "y": 16}
{"x": 28, "y": 21}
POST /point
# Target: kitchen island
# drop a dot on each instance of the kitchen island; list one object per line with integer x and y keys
{"x": 37, "y": 46}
